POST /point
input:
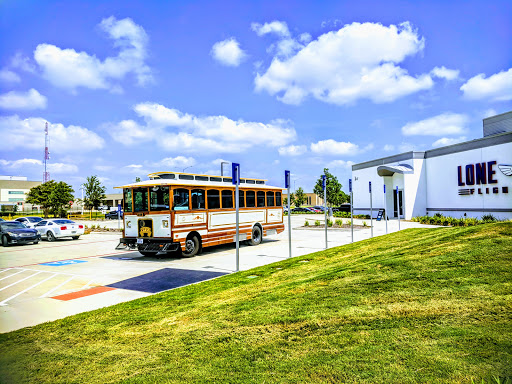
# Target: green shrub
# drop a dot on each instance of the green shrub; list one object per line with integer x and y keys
{"x": 306, "y": 224}
{"x": 338, "y": 222}
{"x": 329, "y": 223}
{"x": 317, "y": 223}
{"x": 364, "y": 224}
{"x": 488, "y": 218}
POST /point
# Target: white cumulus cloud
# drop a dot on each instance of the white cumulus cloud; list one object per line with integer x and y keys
{"x": 359, "y": 61}
{"x": 445, "y": 73}
{"x": 67, "y": 68}
{"x": 334, "y": 148}
{"x": 279, "y": 28}
{"x": 8, "y": 76}
{"x": 440, "y": 125}
{"x": 31, "y": 99}
{"x": 172, "y": 129}
{"x": 292, "y": 150}
{"x": 497, "y": 87}
{"x": 341, "y": 164}
{"x": 228, "y": 52}
{"x": 34, "y": 164}
{"x": 71, "y": 139}
{"x": 448, "y": 141}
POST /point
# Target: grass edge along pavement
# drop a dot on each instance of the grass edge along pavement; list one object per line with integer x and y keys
{"x": 420, "y": 305}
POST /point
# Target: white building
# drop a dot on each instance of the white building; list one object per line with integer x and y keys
{"x": 466, "y": 179}
{"x": 14, "y": 189}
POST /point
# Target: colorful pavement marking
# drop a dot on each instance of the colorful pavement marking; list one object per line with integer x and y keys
{"x": 164, "y": 279}
{"x": 84, "y": 293}
{"x": 64, "y": 262}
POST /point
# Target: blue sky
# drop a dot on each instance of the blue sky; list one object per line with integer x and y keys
{"x": 130, "y": 88}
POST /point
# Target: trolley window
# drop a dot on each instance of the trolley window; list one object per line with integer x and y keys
{"x": 140, "y": 199}
{"x": 251, "y": 199}
{"x": 127, "y": 200}
{"x": 180, "y": 199}
{"x": 227, "y": 199}
{"x": 278, "y": 199}
{"x": 159, "y": 198}
{"x": 241, "y": 200}
{"x": 198, "y": 199}
{"x": 213, "y": 199}
{"x": 260, "y": 198}
{"x": 270, "y": 199}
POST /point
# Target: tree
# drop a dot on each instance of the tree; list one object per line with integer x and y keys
{"x": 52, "y": 197}
{"x": 300, "y": 197}
{"x": 335, "y": 196}
{"x": 137, "y": 179}
{"x": 94, "y": 192}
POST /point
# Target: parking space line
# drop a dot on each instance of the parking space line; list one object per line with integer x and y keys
{"x": 57, "y": 287}
{"x": 3, "y": 278}
{"x": 19, "y": 281}
{"x": 27, "y": 289}
{"x": 86, "y": 285}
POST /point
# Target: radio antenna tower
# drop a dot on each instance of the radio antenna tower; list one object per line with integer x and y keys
{"x": 46, "y": 176}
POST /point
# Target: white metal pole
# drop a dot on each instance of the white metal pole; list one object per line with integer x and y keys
{"x": 371, "y": 210}
{"x": 398, "y": 207}
{"x": 82, "y": 200}
{"x": 325, "y": 208}
{"x": 289, "y": 224}
{"x": 385, "y": 210}
{"x": 351, "y": 209}
{"x": 237, "y": 205}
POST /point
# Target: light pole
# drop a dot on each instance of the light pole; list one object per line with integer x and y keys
{"x": 190, "y": 166}
{"x": 221, "y": 167}
{"x": 82, "y": 189}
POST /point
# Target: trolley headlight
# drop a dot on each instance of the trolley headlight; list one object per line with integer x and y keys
{"x": 165, "y": 223}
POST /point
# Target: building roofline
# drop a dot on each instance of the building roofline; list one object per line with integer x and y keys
{"x": 501, "y": 138}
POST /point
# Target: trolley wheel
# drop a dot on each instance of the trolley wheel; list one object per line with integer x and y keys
{"x": 255, "y": 236}
{"x": 191, "y": 246}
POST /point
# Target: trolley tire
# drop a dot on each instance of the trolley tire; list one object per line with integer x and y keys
{"x": 256, "y": 236}
{"x": 192, "y": 246}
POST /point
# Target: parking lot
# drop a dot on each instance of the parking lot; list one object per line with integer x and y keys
{"x": 52, "y": 280}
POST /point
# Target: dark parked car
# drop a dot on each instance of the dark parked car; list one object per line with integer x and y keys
{"x": 300, "y": 210}
{"x": 112, "y": 215}
{"x": 13, "y": 232}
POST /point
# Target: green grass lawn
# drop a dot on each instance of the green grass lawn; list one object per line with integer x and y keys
{"x": 421, "y": 305}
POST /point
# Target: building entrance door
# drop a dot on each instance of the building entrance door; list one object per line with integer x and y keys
{"x": 398, "y": 204}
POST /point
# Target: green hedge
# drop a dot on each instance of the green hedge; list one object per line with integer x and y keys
{"x": 439, "y": 219}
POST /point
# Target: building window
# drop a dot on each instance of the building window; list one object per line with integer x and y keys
{"x": 16, "y": 193}
{"x": 15, "y": 199}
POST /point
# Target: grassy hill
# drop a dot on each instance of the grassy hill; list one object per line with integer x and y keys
{"x": 421, "y": 305}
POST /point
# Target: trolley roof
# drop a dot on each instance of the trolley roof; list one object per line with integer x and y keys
{"x": 192, "y": 179}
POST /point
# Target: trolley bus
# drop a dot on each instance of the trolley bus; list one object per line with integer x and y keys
{"x": 183, "y": 211}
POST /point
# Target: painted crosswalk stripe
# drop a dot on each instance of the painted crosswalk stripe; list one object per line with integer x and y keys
{"x": 19, "y": 281}
{"x": 57, "y": 287}
{"x": 26, "y": 289}
{"x": 3, "y": 278}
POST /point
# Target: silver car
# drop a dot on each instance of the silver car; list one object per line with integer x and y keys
{"x": 52, "y": 229}
{"x": 29, "y": 221}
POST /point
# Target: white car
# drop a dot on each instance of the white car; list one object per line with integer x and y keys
{"x": 52, "y": 229}
{"x": 29, "y": 221}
